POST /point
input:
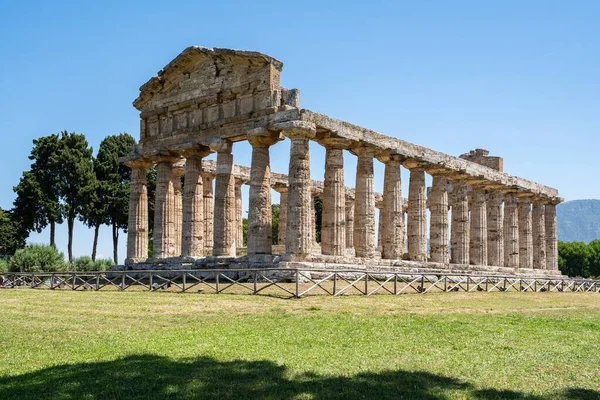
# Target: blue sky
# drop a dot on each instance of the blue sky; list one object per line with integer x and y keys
{"x": 518, "y": 78}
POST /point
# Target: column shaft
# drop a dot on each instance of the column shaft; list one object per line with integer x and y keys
{"x": 239, "y": 223}
{"x": 460, "y": 224}
{"x": 438, "y": 205}
{"x": 350, "y": 224}
{"x": 283, "y": 199}
{"x": 478, "y": 247}
{"x": 551, "y": 237}
{"x": 298, "y": 233}
{"x": 224, "y": 217}
{"x": 511, "y": 232}
{"x": 391, "y": 222}
{"x": 164, "y": 211}
{"x": 137, "y": 231}
{"x": 178, "y": 212}
{"x": 539, "y": 236}
{"x": 364, "y": 207}
{"x": 495, "y": 226}
{"x": 525, "y": 235}
{"x": 207, "y": 187}
{"x": 417, "y": 216}
{"x": 260, "y": 224}
{"x": 333, "y": 231}
{"x": 192, "y": 240}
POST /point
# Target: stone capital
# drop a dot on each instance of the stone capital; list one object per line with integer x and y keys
{"x": 280, "y": 187}
{"x": 261, "y": 137}
{"x": 139, "y": 163}
{"x": 387, "y": 157}
{"x": 164, "y": 158}
{"x": 197, "y": 151}
{"x": 335, "y": 143}
{"x": 414, "y": 164}
{"x": 240, "y": 181}
{"x": 525, "y": 197}
{"x": 297, "y": 129}
{"x": 364, "y": 151}
{"x": 208, "y": 174}
{"x": 220, "y": 145}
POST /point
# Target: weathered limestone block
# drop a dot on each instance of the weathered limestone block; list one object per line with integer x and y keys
{"x": 511, "y": 231}
{"x": 495, "y": 229}
{"x": 392, "y": 214}
{"x": 459, "y": 250}
{"x": 207, "y": 188}
{"x": 478, "y": 247}
{"x": 539, "y": 235}
{"x": 417, "y": 216}
{"x": 298, "y": 233}
{"x": 192, "y": 241}
{"x": 439, "y": 226}
{"x": 551, "y": 237}
{"x": 137, "y": 231}
{"x": 364, "y": 204}
{"x": 525, "y": 234}
{"x": 178, "y": 209}
{"x": 239, "y": 226}
{"x": 283, "y": 201}
{"x": 224, "y": 228}
{"x": 260, "y": 224}
{"x": 349, "y": 223}
{"x": 164, "y": 210}
{"x": 333, "y": 231}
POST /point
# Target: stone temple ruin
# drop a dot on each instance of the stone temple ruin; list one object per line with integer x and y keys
{"x": 481, "y": 220}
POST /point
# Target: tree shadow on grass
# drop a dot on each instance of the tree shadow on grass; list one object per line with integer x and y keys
{"x": 153, "y": 377}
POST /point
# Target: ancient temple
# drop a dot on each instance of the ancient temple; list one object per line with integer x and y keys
{"x": 473, "y": 217}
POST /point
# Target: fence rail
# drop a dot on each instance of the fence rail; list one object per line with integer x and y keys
{"x": 291, "y": 283}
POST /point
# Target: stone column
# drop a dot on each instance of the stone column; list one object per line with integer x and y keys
{"x": 137, "y": 226}
{"x": 539, "y": 235}
{"x": 438, "y": 230}
{"x": 511, "y": 231}
{"x": 224, "y": 228}
{"x": 417, "y": 215}
{"x": 495, "y": 229}
{"x": 380, "y": 224}
{"x": 239, "y": 223}
{"x": 391, "y": 221}
{"x": 313, "y": 220}
{"x": 333, "y": 230}
{"x": 525, "y": 234}
{"x": 551, "y": 237}
{"x": 459, "y": 235}
{"x": 364, "y": 204}
{"x": 283, "y": 200}
{"x": 349, "y": 223}
{"x": 478, "y": 247}
{"x": 298, "y": 238}
{"x": 192, "y": 240}
{"x": 207, "y": 187}
{"x": 260, "y": 221}
{"x": 178, "y": 172}
{"x": 164, "y": 210}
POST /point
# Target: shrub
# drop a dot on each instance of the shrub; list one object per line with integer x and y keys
{"x": 3, "y": 265}
{"x": 37, "y": 258}
{"x": 85, "y": 263}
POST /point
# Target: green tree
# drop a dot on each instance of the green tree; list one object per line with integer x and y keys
{"x": 594, "y": 249}
{"x": 113, "y": 179}
{"x": 318, "y": 218}
{"x": 38, "y": 201}
{"x": 574, "y": 259}
{"x": 12, "y": 235}
{"x": 275, "y": 217}
{"x": 94, "y": 211}
{"x": 76, "y": 173}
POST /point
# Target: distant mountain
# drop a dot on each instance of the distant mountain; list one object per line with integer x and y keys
{"x": 578, "y": 220}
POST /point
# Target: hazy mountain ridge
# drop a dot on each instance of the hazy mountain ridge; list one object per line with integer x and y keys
{"x": 578, "y": 220}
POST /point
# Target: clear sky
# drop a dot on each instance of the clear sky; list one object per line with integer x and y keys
{"x": 518, "y": 78}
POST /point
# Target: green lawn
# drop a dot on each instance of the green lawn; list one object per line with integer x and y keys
{"x": 139, "y": 345}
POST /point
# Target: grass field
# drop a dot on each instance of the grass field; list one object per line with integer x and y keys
{"x": 140, "y": 345}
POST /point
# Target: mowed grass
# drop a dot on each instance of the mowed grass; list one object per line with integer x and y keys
{"x": 139, "y": 345}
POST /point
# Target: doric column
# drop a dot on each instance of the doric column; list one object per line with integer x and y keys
{"x": 438, "y": 230}
{"x": 178, "y": 172}
{"x": 391, "y": 221}
{"x": 283, "y": 200}
{"x": 313, "y": 220}
{"x": 551, "y": 237}
{"x": 417, "y": 215}
{"x": 164, "y": 210}
{"x": 364, "y": 203}
{"x": 511, "y": 231}
{"x": 192, "y": 239}
{"x": 478, "y": 247}
{"x": 539, "y": 235}
{"x": 137, "y": 226}
{"x": 207, "y": 187}
{"x": 495, "y": 229}
{"x": 380, "y": 224}
{"x": 459, "y": 235}
{"x": 260, "y": 221}
{"x": 298, "y": 236}
{"x": 239, "y": 223}
{"x": 349, "y": 223}
{"x": 333, "y": 230}
{"x": 525, "y": 234}
{"x": 224, "y": 216}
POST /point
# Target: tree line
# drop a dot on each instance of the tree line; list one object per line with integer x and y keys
{"x": 65, "y": 183}
{"x": 579, "y": 259}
